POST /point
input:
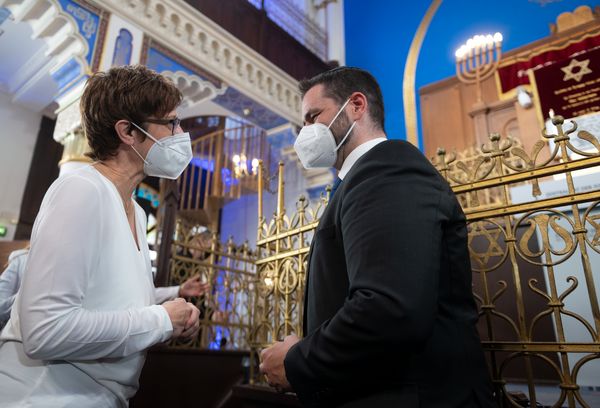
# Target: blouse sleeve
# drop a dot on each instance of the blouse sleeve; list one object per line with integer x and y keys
{"x": 163, "y": 294}
{"x": 63, "y": 255}
{"x": 9, "y": 286}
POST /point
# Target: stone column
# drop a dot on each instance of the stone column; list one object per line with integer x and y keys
{"x": 69, "y": 133}
{"x": 336, "y": 42}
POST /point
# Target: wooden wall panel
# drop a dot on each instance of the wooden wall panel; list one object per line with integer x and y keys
{"x": 188, "y": 377}
{"x": 443, "y": 120}
{"x": 42, "y": 173}
{"x": 6, "y": 247}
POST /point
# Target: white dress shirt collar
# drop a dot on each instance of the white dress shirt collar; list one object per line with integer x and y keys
{"x": 357, "y": 153}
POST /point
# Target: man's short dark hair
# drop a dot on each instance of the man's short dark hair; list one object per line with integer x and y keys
{"x": 341, "y": 82}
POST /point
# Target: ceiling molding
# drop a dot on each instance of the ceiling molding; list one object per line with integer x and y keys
{"x": 185, "y": 30}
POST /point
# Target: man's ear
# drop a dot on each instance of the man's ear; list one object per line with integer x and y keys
{"x": 358, "y": 106}
{"x": 124, "y": 131}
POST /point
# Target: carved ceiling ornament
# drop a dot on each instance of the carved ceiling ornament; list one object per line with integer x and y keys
{"x": 195, "y": 90}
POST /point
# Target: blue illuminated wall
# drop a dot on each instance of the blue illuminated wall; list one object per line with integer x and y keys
{"x": 87, "y": 22}
{"x": 161, "y": 62}
{"x": 379, "y": 33}
{"x": 4, "y": 14}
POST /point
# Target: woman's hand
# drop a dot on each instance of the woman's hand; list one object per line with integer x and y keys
{"x": 184, "y": 317}
{"x": 192, "y": 326}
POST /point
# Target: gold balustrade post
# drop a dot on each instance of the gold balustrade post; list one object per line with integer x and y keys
{"x": 260, "y": 195}
{"x": 280, "y": 191}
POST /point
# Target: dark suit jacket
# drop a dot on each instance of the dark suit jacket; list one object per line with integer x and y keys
{"x": 389, "y": 313}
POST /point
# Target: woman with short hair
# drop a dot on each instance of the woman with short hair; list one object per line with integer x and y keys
{"x": 85, "y": 313}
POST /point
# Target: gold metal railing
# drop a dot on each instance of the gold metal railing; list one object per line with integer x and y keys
{"x": 225, "y": 318}
{"x": 283, "y": 244}
{"x": 533, "y": 274}
{"x": 471, "y": 164}
{"x": 212, "y": 173}
{"x": 535, "y": 256}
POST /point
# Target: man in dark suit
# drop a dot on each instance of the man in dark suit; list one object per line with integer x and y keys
{"x": 389, "y": 313}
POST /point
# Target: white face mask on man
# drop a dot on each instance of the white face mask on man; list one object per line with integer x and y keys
{"x": 315, "y": 144}
{"x": 167, "y": 157}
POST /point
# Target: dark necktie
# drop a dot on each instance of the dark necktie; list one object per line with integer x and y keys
{"x": 335, "y": 186}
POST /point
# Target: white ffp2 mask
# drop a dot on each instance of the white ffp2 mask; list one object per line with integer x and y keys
{"x": 315, "y": 144}
{"x": 167, "y": 157}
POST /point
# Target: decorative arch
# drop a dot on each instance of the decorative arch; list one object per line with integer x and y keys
{"x": 57, "y": 29}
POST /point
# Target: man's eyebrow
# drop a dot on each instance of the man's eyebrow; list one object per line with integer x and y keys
{"x": 310, "y": 112}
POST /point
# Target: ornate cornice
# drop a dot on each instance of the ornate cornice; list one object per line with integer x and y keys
{"x": 195, "y": 90}
{"x": 188, "y": 32}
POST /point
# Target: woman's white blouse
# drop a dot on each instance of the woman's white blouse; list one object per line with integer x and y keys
{"x": 85, "y": 312}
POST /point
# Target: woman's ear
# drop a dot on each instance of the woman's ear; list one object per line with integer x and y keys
{"x": 124, "y": 131}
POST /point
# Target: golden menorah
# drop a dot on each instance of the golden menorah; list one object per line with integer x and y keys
{"x": 477, "y": 59}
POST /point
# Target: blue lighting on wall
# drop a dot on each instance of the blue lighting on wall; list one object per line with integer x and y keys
{"x": 205, "y": 164}
{"x": 87, "y": 22}
{"x": 237, "y": 102}
{"x": 148, "y": 195}
{"x": 228, "y": 179}
{"x": 221, "y": 333}
{"x": 4, "y": 14}
{"x": 67, "y": 74}
{"x": 160, "y": 63}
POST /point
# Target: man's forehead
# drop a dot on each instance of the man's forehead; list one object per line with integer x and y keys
{"x": 314, "y": 99}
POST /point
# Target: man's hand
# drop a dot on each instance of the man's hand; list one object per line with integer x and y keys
{"x": 193, "y": 287}
{"x": 272, "y": 363}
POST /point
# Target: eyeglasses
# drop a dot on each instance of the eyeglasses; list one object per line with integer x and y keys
{"x": 174, "y": 123}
